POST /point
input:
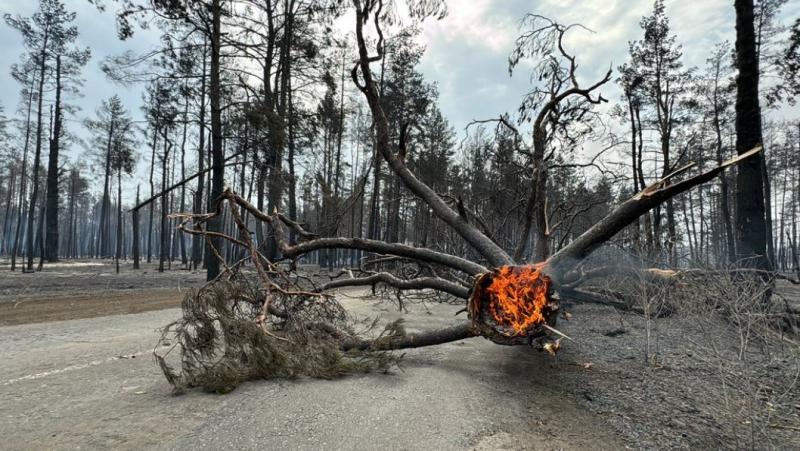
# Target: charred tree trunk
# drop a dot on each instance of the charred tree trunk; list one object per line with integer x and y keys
{"x": 152, "y": 192}
{"x": 164, "y": 250}
{"x": 37, "y": 158}
{"x": 751, "y": 224}
{"x": 118, "y": 251}
{"x": 51, "y": 242}
{"x": 8, "y": 217}
{"x": 218, "y": 169}
{"x": 23, "y": 179}
{"x": 136, "y": 233}
{"x": 723, "y": 181}
{"x": 184, "y": 259}
{"x": 197, "y": 241}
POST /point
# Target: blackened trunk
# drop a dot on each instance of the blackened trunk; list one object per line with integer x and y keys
{"x": 118, "y": 252}
{"x": 51, "y": 243}
{"x": 724, "y": 195}
{"x": 197, "y": 240}
{"x": 163, "y": 250}
{"x": 152, "y": 190}
{"x": 750, "y": 212}
{"x": 184, "y": 259}
{"x": 23, "y": 180}
{"x": 290, "y": 161}
{"x": 135, "y": 220}
{"x": 7, "y": 219}
{"x": 217, "y": 168}
{"x": 37, "y": 158}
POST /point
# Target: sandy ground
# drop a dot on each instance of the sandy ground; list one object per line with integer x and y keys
{"x": 77, "y": 372}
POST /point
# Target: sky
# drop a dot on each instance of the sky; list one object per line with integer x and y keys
{"x": 467, "y": 52}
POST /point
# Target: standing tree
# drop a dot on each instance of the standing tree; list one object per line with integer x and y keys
{"x": 560, "y": 110}
{"x": 26, "y": 75}
{"x": 751, "y": 226}
{"x": 67, "y": 69}
{"x": 717, "y": 95}
{"x": 48, "y": 35}
{"x": 657, "y": 59}
{"x": 122, "y": 160}
{"x": 110, "y": 129}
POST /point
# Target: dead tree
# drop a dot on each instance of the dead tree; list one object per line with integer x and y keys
{"x": 562, "y": 101}
{"x": 507, "y": 302}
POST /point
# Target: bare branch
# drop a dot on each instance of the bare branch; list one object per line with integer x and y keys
{"x": 420, "y": 283}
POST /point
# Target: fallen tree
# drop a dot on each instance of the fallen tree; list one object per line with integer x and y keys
{"x": 284, "y": 324}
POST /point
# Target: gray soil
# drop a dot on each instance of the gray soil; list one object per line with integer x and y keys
{"x": 92, "y": 383}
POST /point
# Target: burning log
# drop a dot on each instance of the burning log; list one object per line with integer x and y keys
{"x": 513, "y": 304}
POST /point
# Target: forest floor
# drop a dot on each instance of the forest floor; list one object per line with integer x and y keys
{"x": 75, "y": 372}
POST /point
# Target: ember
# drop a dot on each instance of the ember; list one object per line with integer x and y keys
{"x": 513, "y": 302}
{"x": 517, "y": 297}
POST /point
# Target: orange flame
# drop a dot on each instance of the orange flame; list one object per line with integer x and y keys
{"x": 518, "y": 296}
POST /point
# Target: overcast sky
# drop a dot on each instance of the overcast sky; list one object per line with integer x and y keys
{"x": 466, "y": 52}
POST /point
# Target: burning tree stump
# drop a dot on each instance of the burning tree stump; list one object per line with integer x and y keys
{"x": 513, "y": 304}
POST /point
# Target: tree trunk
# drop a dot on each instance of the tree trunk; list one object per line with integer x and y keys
{"x": 23, "y": 179}
{"x": 648, "y": 221}
{"x": 768, "y": 212}
{"x": 51, "y": 243}
{"x": 164, "y": 250}
{"x": 750, "y": 212}
{"x": 8, "y": 219}
{"x": 118, "y": 252}
{"x": 217, "y": 171}
{"x": 37, "y": 154}
{"x": 184, "y": 259}
{"x": 197, "y": 240}
{"x": 634, "y": 170}
{"x": 71, "y": 215}
{"x": 136, "y": 233}
{"x": 723, "y": 180}
{"x": 290, "y": 162}
{"x": 152, "y": 190}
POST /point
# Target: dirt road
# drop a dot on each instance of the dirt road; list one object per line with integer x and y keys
{"x": 91, "y": 383}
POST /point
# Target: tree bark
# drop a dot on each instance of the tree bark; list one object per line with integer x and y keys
{"x": 217, "y": 168}
{"x": 164, "y": 251}
{"x": 37, "y": 153}
{"x": 23, "y": 179}
{"x": 118, "y": 252}
{"x": 136, "y": 233}
{"x": 51, "y": 242}
{"x": 197, "y": 241}
{"x": 152, "y": 189}
{"x": 750, "y": 211}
